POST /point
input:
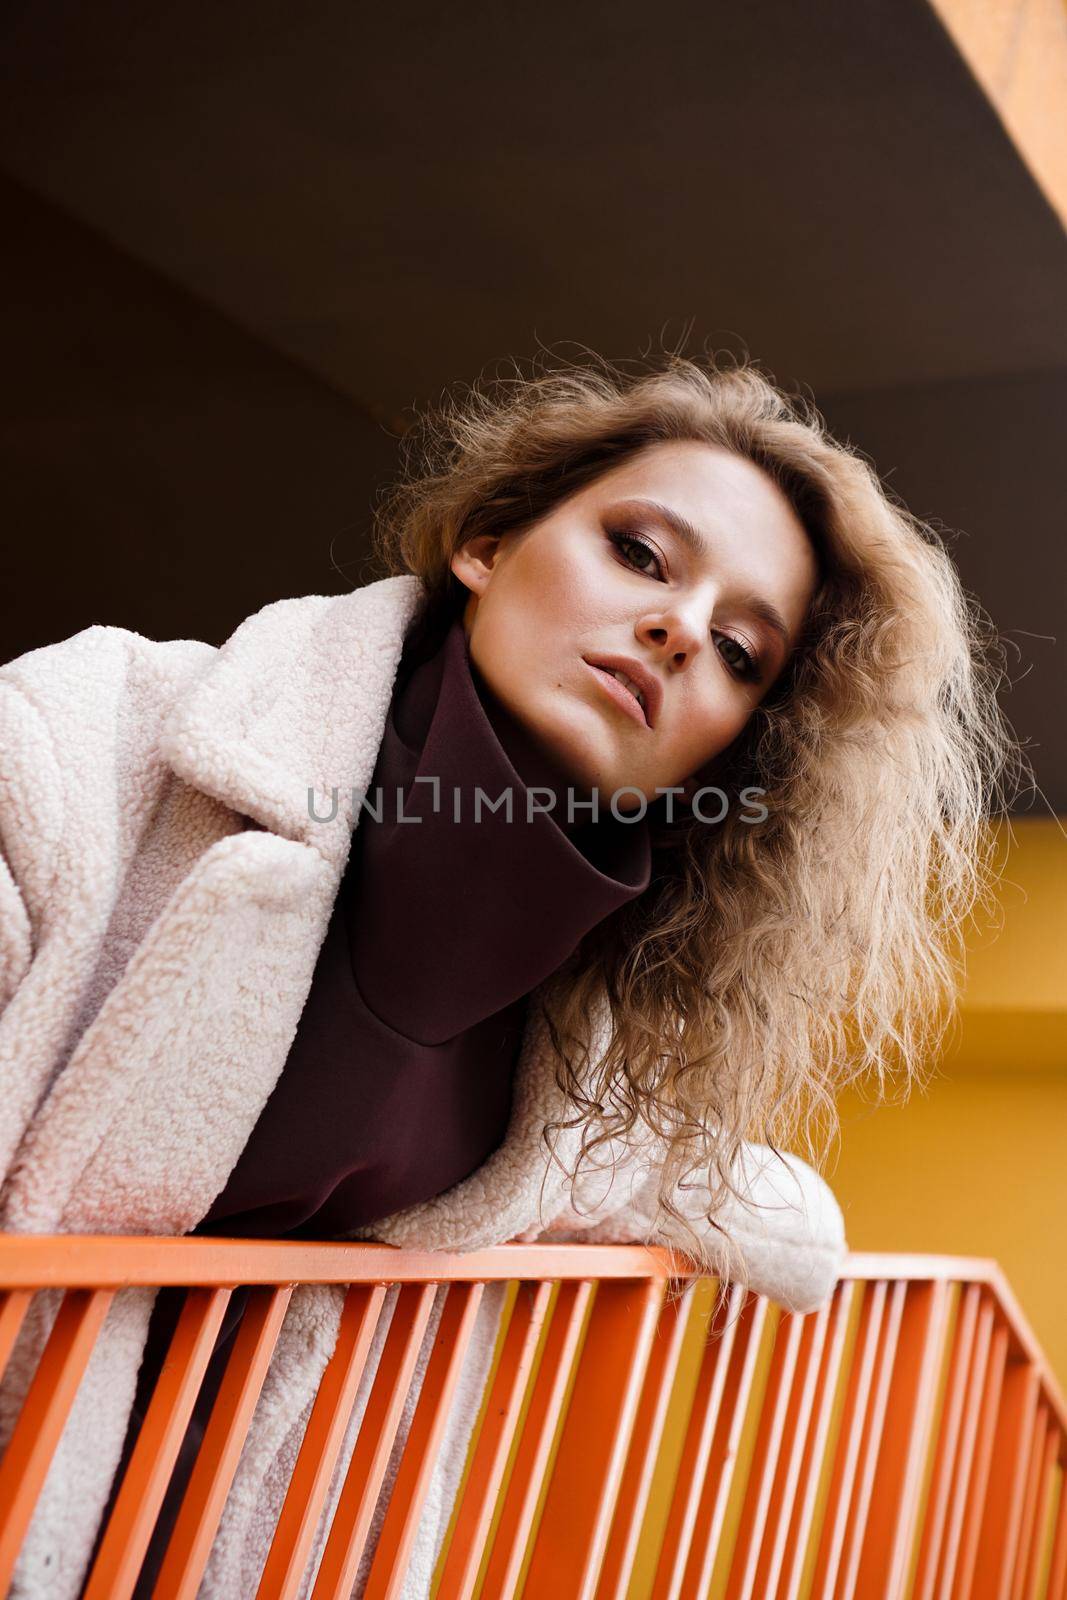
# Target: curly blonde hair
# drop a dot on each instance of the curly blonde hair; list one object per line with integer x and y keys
{"x": 767, "y": 964}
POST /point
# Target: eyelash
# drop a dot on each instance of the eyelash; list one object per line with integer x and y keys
{"x": 749, "y": 670}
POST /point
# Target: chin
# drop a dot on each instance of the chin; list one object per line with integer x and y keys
{"x": 573, "y": 767}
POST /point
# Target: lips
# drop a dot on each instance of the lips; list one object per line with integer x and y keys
{"x": 647, "y": 682}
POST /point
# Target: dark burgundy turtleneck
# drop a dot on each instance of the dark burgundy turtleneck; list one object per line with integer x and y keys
{"x": 398, "y": 1082}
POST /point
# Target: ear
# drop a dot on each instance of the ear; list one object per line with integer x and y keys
{"x": 473, "y": 562}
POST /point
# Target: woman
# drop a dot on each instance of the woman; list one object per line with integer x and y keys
{"x": 747, "y": 720}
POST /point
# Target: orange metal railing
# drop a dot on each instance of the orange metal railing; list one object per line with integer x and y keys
{"x": 905, "y": 1440}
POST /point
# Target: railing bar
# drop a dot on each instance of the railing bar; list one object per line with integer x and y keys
{"x": 366, "y": 1469}
{"x": 43, "y": 1415}
{"x": 1023, "y": 1344}
{"x": 587, "y": 1472}
{"x": 119, "y": 1261}
{"x": 1028, "y": 1517}
{"x": 641, "y": 1460}
{"x": 704, "y": 1414}
{"x": 975, "y": 1408}
{"x": 770, "y": 1433}
{"x": 946, "y": 1461}
{"x": 979, "y": 1474}
{"x": 321, "y": 1445}
{"x": 857, "y": 1398}
{"x": 800, "y": 1533}
{"x": 216, "y": 1462}
{"x": 144, "y": 1484}
{"x": 797, "y": 1430}
{"x": 526, "y": 1480}
{"x": 386, "y": 1579}
{"x": 884, "y": 1547}
{"x": 719, "y": 1477}
{"x": 1032, "y": 1577}
{"x": 873, "y": 1434}
{"x": 998, "y": 1543}
{"x": 495, "y": 1439}
{"x": 934, "y": 1343}
{"x": 1056, "y": 1588}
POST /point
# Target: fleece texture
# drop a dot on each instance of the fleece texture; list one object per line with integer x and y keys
{"x": 165, "y": 885}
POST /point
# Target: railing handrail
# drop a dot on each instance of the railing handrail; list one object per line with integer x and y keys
{"x": 82, "y": 1260}
{"x": 115, "y": 1261}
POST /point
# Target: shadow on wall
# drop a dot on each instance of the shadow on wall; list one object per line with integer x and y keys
{"x": 165, "y": 471}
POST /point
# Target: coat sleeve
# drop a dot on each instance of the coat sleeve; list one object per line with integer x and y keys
{"x": 787, "y": 1226}
{"x": 78, "y": 731}
{"x": 53, "y": 701}
{"x": 15, "y": 944}
{"x": 31, "y": 811}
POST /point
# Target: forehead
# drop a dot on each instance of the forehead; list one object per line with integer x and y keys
{"x": 705, "y": 482}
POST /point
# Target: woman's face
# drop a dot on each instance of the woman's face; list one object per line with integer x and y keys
{"x": 606, "y": 575}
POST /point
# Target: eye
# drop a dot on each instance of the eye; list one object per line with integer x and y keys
{"x": 620, "y": 540}
{"x": 747, "y": 666}
{"x": 744, "y": 665}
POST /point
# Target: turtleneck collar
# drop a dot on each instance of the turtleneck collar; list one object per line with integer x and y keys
{"x": 455, "y": 915}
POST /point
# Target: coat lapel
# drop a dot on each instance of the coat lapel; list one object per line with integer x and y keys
{"x": 296, "y": 701}
{"x": 147, "y": 1117}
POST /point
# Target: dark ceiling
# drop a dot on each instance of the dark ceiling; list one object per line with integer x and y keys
{"x": 395, "y": 195}
{"x": 284, "y": 227}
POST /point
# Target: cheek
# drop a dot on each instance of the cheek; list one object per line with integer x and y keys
{"x": 515, "y": 648}
{"x": 558, "y": 600}
{"x": 544, "y": 613}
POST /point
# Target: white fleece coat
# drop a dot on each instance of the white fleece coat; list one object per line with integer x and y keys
{"x": 155, "y": 955}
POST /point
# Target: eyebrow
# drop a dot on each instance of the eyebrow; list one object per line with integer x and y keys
{"x": 694, "y": 542}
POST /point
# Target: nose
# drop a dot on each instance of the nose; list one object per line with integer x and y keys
{"x": 673, "y": 635}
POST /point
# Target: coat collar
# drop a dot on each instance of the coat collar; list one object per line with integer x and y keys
{"x": 295, "y": 700}
{"x": 297, "y": 697}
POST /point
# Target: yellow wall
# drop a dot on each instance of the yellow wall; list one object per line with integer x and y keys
{"x": 977, "y": 1164}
